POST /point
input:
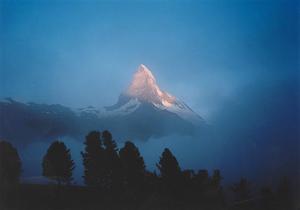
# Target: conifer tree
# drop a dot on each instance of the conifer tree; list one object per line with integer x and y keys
{"x": 58, "y": 164}
{"x": 10, "y": 164}
{"x": 113, "y": 172}
{"x": 216, "y": 179}
{"x": 133, "y": 165}
{"x": 169, "y": 170}
{"x": 10, "y": 171}
{"x": 93, "y": 160}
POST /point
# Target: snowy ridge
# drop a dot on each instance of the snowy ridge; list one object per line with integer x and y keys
{"x": 183, "y": 111}
{"x": 126, "y": 109}
{"x": 144, "y": 89}
{"x": 89, "y": 110}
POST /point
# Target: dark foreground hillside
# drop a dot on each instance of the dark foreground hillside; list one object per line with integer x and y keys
{"x": 50, "y": 197}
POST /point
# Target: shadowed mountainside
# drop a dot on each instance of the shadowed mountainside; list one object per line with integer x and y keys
{"x": 35, "y": 122}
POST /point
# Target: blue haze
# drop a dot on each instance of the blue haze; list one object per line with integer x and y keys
{"x": 236, "y": 63}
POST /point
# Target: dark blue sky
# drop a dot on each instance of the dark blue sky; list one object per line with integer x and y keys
{"x": 234, "y": 62}
{"x": 84, "y": 53}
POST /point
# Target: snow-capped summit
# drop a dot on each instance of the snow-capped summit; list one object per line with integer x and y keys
{"x": 144, "y": 89}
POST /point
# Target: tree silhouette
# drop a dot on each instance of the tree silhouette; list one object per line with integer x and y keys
{"x": 93, "y": 160}
{"x": 113, "y": 175}
{"x": 202, "y": 179}
{"x": 133, "y": 165}
{"x": 10, "y": 171}
{"x": 151, "y": 181}
{"x": 109, "y": 143}
{"x": 215, "y": 182}
{"x": 57, "y": 163}
{"x": 10, "y": 164}
{"x": 187, "y": 179}
{"x": 201, "y": 183}
{"x": 169, "y": 170}
{"x": 242, "y": 189}
{"x": 216, "y": 179}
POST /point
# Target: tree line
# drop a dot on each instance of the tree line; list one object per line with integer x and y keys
{"x": 116, "y": 172}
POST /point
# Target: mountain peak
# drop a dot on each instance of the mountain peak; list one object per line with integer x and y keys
{"x": 145, "y": 71}
{"x": 143, "y": 91}
{"x": 143, "y": 76}
{"x": 144, "y": 87}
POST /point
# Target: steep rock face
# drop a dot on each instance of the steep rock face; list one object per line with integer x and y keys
{"x": 143, "y": 110}
{"x": 144, "y": 89}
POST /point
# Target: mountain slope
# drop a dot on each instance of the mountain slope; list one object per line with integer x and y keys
{"x": 144, "y": 89}
{"x": 27, "y": 122}
{"x": 141, "y": 112}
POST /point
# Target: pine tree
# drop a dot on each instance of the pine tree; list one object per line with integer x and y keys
{"x": 133, "y": 165}
{"x": 169, "y": 170}
{"x": 58, "y": 164}
{"x": 10, "y": 171}
{"x": 216, "y": 179}
{"x": 93, "y": 160}
{"x": 216, "y": 186}
{"x": 113, "y": 172}
{"x": 109, "y": 144}
{"x": 10, "y": 164}
{"x": 202, "y": 179}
